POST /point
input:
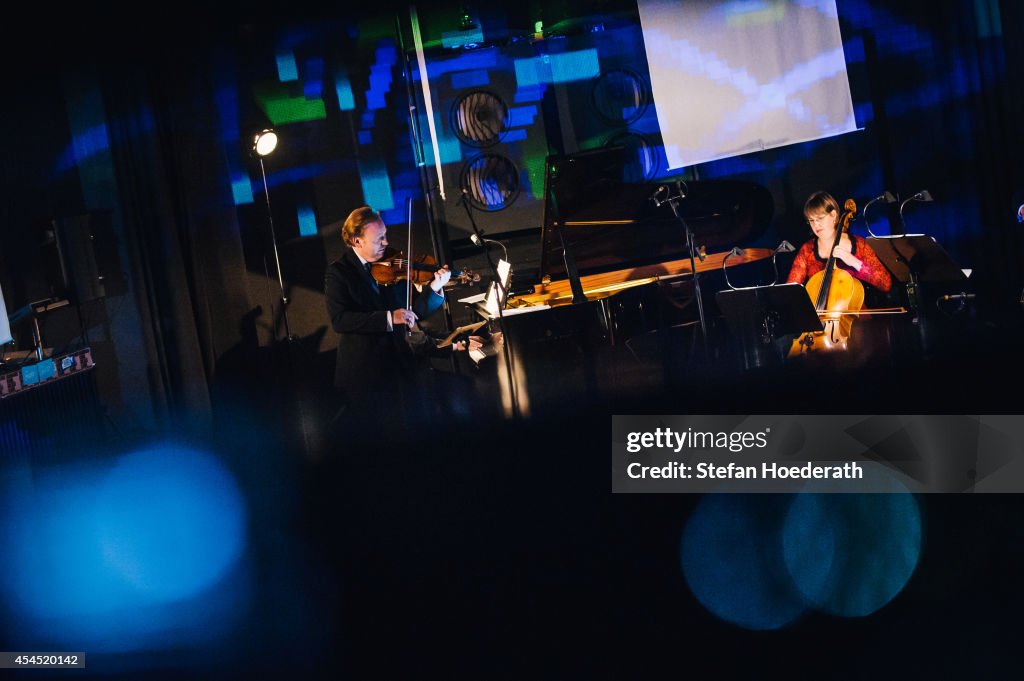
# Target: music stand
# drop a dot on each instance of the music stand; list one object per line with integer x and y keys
{"x": 760, "y": 315}
{"x": 924, "y": 268}
{"x": 915, "y": 256}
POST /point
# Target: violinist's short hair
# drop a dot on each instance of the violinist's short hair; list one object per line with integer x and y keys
{"x": 821, "y": 201}
{"x": 356, "y": 222}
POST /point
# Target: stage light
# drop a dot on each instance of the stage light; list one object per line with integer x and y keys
{"x": 264, "y": 142}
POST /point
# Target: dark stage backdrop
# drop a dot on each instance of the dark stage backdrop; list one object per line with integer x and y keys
{"x": 369, "y": 567}
{"x": 153, "y": 125}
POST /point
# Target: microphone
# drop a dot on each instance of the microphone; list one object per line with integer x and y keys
{"x": 958, "y": 296}
{"x": 481, "y": 241}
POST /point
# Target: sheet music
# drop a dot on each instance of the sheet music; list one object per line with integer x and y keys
{"x": 505, "y": 277}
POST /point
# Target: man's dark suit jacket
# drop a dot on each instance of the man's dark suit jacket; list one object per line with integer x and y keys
{"x": 367, "y": 351}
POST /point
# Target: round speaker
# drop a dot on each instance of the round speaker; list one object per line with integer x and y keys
{"x": 642, "y": 162}
{"x": 620, "y": 96}
{"x": 491, "y": 182}
{"x": 479, "y": 118}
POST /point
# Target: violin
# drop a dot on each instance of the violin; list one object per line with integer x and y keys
{"x": 837, "y": 296}
{"x": 394, "y": 267}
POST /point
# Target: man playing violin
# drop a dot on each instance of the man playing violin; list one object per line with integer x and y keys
{"x": 372, "y": 320}
{"x": 853, "y": 253}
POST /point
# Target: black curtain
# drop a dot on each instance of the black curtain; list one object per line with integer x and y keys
{"x": 181, "y": 228}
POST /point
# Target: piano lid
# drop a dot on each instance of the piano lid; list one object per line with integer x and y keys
{"x": 612, "y": 224}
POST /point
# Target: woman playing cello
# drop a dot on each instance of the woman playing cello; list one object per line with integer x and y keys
{"x": 831, "y": 265}
{"x": 853, "y": 253}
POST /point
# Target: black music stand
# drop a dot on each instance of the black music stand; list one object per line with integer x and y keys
{"x": 925, "y": 270}
{"x": 915, "y": 256}
{"x": 760, "y": 315}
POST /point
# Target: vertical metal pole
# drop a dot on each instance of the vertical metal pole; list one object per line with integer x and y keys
{"x": 277, "y": 259}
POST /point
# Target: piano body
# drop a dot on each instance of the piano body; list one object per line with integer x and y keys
{"x": 622, "y": 243}
{"x": 628, "y": 254}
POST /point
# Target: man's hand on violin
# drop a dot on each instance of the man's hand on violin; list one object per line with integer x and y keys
{"x": 403, "y": 316}
{"x": 475, "y": 343}
{"x": 441, "y": 277}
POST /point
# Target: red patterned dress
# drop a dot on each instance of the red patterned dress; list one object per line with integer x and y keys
{"x": 808, "y": 263}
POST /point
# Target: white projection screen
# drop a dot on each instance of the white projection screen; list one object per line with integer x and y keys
{"x": 731, "y": 77}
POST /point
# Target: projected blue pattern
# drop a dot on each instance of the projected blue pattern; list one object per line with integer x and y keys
{"x": 470, "y": 79}
{"x": 343, "y": 88}
{"x": 396, "y": 215}
{"x": 365, "y": 137}
{"x": 226, "y": 101}
{"x": 449, "y": 148}
{"x": 730, "y": 561}
{"x": 307, "y": 220}
{"x": 482, "y": 59}
{"x": 373, "y": 176}
{"x": 287, "y": 69}
{"x": 241, "y": 190}
{"x": 380, "y": 76}
{"x": 570, "y": 66}
{"x": 529, "y": 93}
{"x": 521, "y": 116}
{"x": 126, "y": 557}
{"x": 313, "y": 83}
{"x": 561, "y": 67}
{"x": 84, "y": 145}
{"x": 303, "y": 173}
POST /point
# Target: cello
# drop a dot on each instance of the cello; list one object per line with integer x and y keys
{"x": 837, "y": 296}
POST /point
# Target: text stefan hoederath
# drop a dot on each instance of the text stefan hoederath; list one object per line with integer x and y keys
{"x": 734, "y": 441}
{"x": 769, "y": 471}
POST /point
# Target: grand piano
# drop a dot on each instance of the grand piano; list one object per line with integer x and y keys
{"x": 627, "y": 252}
{"x": 633, "y": 272}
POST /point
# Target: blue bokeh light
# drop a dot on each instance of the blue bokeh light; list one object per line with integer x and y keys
{"x": 851, "y": 554}
{"x": 138, "y": 554}
{"x": 732, "y": 563}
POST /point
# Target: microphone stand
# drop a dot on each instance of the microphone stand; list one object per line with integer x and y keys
{"x": 673, "y": 201}
{"x": 506, "y": 350}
